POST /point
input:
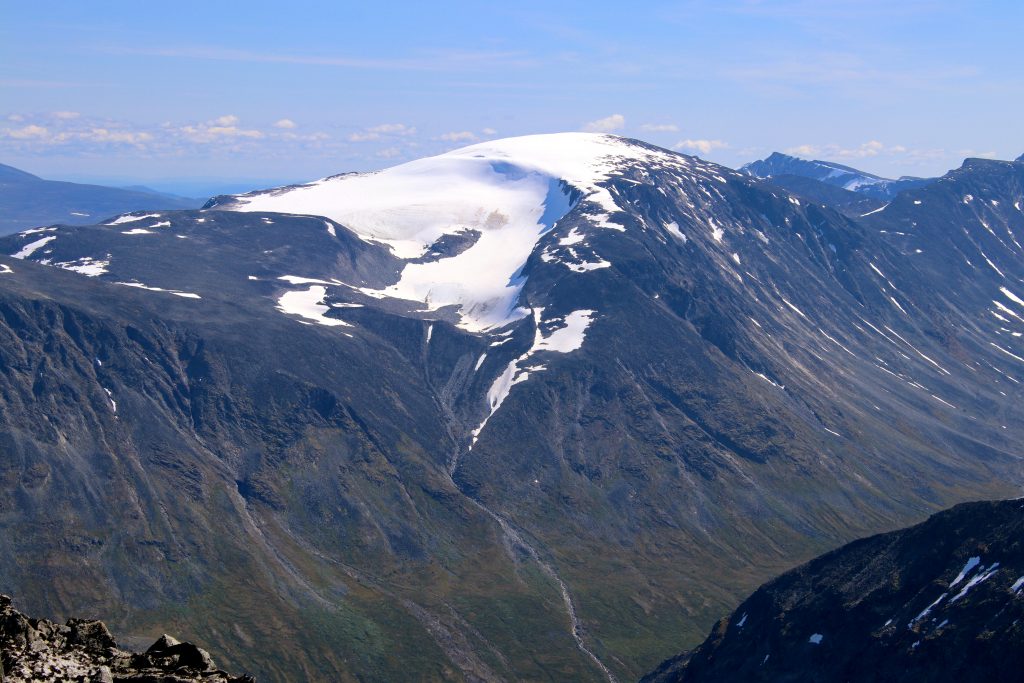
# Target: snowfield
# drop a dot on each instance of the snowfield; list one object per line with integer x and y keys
{"x": 511, "y": 191}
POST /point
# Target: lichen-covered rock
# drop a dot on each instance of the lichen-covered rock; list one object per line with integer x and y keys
{"x": 91, "y": 635}
{"x": 84, "y": 650}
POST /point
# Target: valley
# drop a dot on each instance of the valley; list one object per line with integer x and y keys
{"x": 540, "y": 408}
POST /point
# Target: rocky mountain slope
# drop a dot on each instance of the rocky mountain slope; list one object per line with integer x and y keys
{"x": 40, "y": 650}
{"x": 28, "y": 201}
{"x": 939, "y": 601}
{"x": 784, "y": 169}
{"x": 541, "y": 408}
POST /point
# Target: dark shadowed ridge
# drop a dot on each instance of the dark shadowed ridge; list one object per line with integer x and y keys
{"x": 837, "y": 175}
{"x": 940, "y": 601}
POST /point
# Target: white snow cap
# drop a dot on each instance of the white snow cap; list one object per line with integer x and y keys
{"x": 511, "y": 191}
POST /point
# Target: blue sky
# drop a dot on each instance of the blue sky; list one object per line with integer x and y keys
{"x": 260, "y": 92}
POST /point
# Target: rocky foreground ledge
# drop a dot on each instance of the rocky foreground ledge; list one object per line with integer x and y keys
{"x": 83, "y": 650}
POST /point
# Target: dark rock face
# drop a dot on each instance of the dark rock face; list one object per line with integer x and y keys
{"x": 940, "y": 601}
{"x": 83, "y": 650}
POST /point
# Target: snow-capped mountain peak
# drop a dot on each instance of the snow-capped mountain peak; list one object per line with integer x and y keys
{"x": 505, "y": 195}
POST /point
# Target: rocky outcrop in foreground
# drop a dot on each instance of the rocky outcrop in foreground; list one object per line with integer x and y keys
{"x": 84, "y": 650}
{"x": 940, "y": 601}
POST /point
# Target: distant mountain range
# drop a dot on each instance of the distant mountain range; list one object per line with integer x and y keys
{"x": 542, "y": 408}
{"x": 940, "y": 601}
{"x": 853, "y": 204}
{"x": 784, "y": 170}
{"x": 28, "y": 201}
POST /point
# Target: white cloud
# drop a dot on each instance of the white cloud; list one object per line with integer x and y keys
{"x": 389, "y": 153}
{"x": 118, "y": 136}
{"x": 460, "y": 136}
{"x": 28, "y": 132}
{"x": 381, "y": 131}
{"x": 317, "y": 137}
{"x": 287, "y": 124}
{"x": 489, "y": 131}
{"x": 606, "y": 125}
{"x": 393, "y": 129}
{"x": 66, "y": 115}
{"x": 866, "y": 150}
{"x": 232, "y": 131}
{"x": 85, "y": 134}
{"x": 804, "y": 151}
{"x": 968, "y": 153}
{"x": 702, "y": 146}
{"x": 660, "y": 128}
{"x": 96, "y": 134}
{"x": 220, "y": 128}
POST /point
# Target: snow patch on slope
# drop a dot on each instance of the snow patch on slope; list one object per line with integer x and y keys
{"x": 975, "y": 581}
{"x": 971, "y": 563}
{"x": 309, "y": 304}
{"x": 1011, "y": 296}
{"x": 175, "y": 292}
{"x": 129, "y": 218}
{"x": 584, "y": 266}
{"x": 565, "y": 339}
{"x": 32, "y": 247}
{"x": 673, "y": 229}
{"x": 87, "y": 265}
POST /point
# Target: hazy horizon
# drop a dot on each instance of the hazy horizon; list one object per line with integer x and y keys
{"x": 205, "y": 187}
{"x": 129, "y": 93}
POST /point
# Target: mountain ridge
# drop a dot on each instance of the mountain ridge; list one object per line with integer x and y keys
{"x": 8, "y": 173}
{"x": 751, "y": 379}
{"x": 28, "y": 201}
{"x": 834, "y": 174}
